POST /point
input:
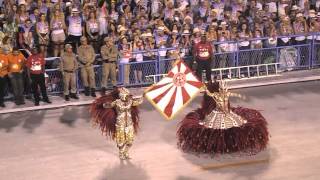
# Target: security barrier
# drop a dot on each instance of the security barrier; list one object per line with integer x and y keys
{"x": 137, "y": 74}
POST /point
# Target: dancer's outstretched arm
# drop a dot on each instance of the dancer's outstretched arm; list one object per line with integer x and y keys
{"x": 137, "y": 100}
{"x": 109, "y": 105}
{"x": 213, "y": 95}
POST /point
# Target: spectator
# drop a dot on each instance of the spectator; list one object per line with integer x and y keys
{"x": 185, "y": 44}
{"x": 257, "y": 44}
{"x": 26, "y": 35}
{"x": 174, "y": 42}
{"x": 22, "y": 15}
{"x": 92, "y": 28}
{"x": 68, "y": 68}
{"x": 10, "y": 29}
{"x": 4, "y": 65}
{"x": 212, "y": 36}
{"x": 109, "y": 54}
{"x": 103, "y": 23}
{"x": 233, "y": 37}
{"x": 204, "y": 9}
{"x": 161, "y": 42}
{"x": 285, "y": 30}
{"x": 223, "y": 30}
{"x": 7, "y": 43}
{"x": 16, "y": 66}
{"x": 244, "y": 35}
{"x": 43, "y": 9}
{"x": 137, "y": 48}
{"x": 87, "y": 57}
{"x": 314, "y": 26}
{"x": 223, "y": 48}
{"x": 125, "y": 48}
{"x": 75, "y": 28}
{"x": 300, "y": 27}
{"x": 196, "y": 36}
{"x": 35, "y": 16}
{"x": 57, "y": 27}
{"x": 36, "y": 72}
{"x": 42, "y": 29}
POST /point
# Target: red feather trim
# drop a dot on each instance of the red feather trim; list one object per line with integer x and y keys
{"x": 250, "y": 138}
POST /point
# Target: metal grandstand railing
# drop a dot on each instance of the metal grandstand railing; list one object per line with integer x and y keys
{"x": 293, "y": 57}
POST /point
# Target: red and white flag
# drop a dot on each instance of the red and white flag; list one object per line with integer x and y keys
{"x": 175, "y": 91}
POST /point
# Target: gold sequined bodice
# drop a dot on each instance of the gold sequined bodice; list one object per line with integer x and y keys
{"x": 124, "y": 112}
{"x": 222, "y": 100}
{"x": 222, "y": 117}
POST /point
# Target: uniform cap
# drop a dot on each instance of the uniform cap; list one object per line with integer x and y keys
{"x": 67, "y": 46}
{"x": 83, "y": 38}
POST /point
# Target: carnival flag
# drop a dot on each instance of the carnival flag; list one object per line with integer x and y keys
{"x": 174, "y": 91}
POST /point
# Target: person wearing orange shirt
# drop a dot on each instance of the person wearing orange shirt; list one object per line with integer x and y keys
{"x": 3, "y": 76}
{"x": 16, "y": 66}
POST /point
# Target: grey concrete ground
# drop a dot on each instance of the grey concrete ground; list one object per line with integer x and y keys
{"x": 281, "y": 78}
{"x": 61, "y": 143}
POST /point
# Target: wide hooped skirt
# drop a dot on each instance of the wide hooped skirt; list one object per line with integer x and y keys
{"x": 249, "y": 138}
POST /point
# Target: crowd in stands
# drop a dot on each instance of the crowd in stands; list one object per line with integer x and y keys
{"x": 152, "y": 24}
{"x": 137, "y": 27}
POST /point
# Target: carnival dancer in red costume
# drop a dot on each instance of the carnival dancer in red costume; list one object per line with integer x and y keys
{"x": 218, "y": 128}
{"x": 203, "y": 54}
{"x": 117, "y": 116}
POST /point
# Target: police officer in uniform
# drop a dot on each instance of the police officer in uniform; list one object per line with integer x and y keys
{"x": 109, "y": 53}
{"x": 86, "y": 57}
{"x": 4, "y": 63}
{"x": 68, "y": 67}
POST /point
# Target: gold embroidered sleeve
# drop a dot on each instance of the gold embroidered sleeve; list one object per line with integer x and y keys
{"x": 213, "y": 95}
{"x": 136, "y": 101}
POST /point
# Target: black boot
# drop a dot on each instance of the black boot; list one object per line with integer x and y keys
{"x": 86, "y": 91}
{"x": 36, "y": 103}
{"x": 47, "y": 100}
{"x": 74, "y": 96}
{"x": 93, "y": 92}
{"x": 21, "y": 100}
{"x": 66, "y": 97}
{"x": 103, "y": 91}
{"x": 2, "y": 104}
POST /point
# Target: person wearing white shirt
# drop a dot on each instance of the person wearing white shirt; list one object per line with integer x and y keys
{"x": 272, "y": 6}
{"x": 75, "y": 28}
{"x": 161, "y": 42}
{"x": 223, "y": 48}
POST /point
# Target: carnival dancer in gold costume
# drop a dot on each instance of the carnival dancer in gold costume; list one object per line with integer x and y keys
{"x": 117, "y": 116}
{"x": 218, "y": 128}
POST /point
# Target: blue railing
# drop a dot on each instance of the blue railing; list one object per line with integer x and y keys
{"x": 307, "y": 56}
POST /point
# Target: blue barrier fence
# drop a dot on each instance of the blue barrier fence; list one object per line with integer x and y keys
{"x": 300, "y": 56}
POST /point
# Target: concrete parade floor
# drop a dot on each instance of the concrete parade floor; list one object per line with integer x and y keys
{"x": 61, "y": 144}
